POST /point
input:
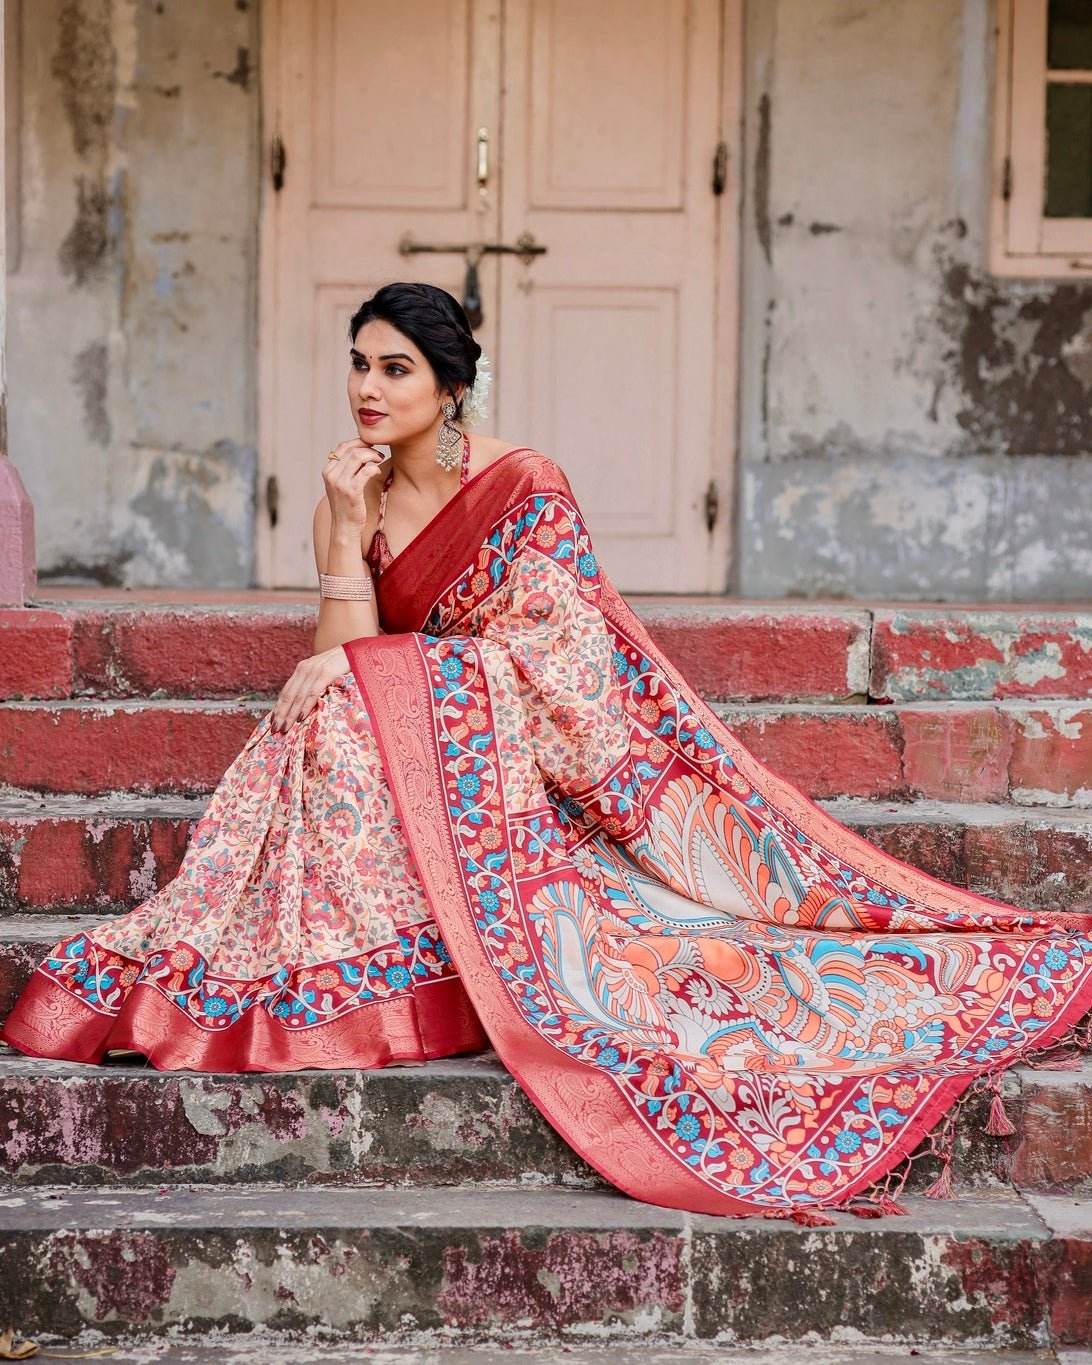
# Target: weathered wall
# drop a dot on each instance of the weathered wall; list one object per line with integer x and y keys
{"x": 131, "y": 330}
{"x": 911, "y": 426}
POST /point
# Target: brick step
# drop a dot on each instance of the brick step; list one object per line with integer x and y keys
{"x": 452, "y": 1121}
{"x": 67, "y": 854}
{"x": 1037, "y": 754}
{"x": 728, "y": 649}
{"x": 1002, "y": 1271}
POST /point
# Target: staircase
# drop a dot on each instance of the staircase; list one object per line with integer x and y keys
{"x": 433, "y": 1204}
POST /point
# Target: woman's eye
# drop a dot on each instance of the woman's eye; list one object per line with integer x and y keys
{"x": 400, "y": 368}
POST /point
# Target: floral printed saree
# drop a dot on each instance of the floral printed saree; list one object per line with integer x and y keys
{"x": 514, "y": 823}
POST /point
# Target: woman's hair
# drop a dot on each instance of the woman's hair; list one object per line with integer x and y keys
{"x": 435, "y": 321}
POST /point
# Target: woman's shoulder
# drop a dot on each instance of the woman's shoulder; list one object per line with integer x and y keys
{"x": 522, "y": 455}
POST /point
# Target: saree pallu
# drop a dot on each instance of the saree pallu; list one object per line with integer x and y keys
{"x": 722, "y": 998}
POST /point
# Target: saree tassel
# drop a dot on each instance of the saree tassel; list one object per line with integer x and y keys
{"x": 999, "y": 1124}
{"x": 1071, "y": 1061}
{"x": 892, "y": 1206}
{"x": 812, "y": 1218}
{"x": 865, "y": 1210}
{"x": 941, "y": 1188}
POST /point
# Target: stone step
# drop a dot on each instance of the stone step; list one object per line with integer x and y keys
{"x": 453, "y": 1121}
{"x": 1004, "y": 1271}
{"x": 1033, "y": 754}
{"x": 300, "y": 1349}
{"x": 67, "y": 854}
{"x": 456, "y": 1121}
{"x": 728, "y": 648}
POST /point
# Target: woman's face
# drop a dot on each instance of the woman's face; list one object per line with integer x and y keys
{"x": 388, "y": 375}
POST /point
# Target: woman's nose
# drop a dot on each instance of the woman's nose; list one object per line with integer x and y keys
{"x": 366, "y": 386}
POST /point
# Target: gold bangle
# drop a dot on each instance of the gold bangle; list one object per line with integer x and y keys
{"x": 355, "y": 588}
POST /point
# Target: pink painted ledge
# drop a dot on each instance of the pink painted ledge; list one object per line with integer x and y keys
{"x": 18, "y": 572}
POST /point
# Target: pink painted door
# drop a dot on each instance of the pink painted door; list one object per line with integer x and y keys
{"x": 593, "y": 128}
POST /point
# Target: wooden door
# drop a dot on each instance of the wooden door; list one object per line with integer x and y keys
{"x": 612, "y": 117}
{"x": 377, "y": 108}
{"x": 614, "y": 350}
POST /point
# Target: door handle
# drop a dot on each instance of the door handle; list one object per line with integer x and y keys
{"x": 483, "y": 158}
{"x": 524, "y": 246}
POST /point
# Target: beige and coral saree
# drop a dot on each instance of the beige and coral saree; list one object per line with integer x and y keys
{"x": 513, "y": 822}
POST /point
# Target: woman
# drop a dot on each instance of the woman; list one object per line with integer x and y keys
{"x": 488, "y": 810}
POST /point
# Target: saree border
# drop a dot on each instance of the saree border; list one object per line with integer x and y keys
{"x": 394, "y": 683}
{"x": 416, "y": 1021}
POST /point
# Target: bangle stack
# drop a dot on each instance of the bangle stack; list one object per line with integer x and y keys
{"x": 353, "y": 589}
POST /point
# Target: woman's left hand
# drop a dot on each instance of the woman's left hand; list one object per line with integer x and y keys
{"x": 310, "y": 679}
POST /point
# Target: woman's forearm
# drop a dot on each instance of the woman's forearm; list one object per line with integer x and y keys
{"x": 341, "y": 619}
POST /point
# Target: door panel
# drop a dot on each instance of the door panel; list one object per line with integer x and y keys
{"x": 609, "y": 338}
{"x": 608, "y": 90}
{"x": 378, "y": 107}
{"x": 372, "y": 147}
{"x": 573, "y": 330}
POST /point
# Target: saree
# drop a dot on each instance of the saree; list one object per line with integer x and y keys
{"x": 512, "y": 823}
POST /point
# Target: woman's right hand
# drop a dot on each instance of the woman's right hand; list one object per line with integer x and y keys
{"x": 346, "y": 477}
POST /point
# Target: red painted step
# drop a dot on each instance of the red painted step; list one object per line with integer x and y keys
{"x": 939, "y": 654}
{"x": 66, "y": 853}
{"x": 1039, "y": 754}
{"x": 729, "y": 649}
{"x": 201, "y": 652}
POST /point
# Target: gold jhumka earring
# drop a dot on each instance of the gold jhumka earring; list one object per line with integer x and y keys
{"x": 449, "y": 445}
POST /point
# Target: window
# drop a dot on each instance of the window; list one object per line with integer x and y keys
{"x": 1041, "y": 209}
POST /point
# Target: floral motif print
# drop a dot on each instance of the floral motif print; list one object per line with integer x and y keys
{"x": 784, "y": 1009}
{"x": 297, "y": 902}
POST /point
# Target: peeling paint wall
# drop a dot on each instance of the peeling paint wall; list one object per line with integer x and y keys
{"x": 910, "y": 425}
{"x": 131, "y": 333}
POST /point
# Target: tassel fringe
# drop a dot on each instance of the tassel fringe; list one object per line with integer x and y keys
{"x": 999, "y": 1124}
{"x": 941, "y": 1188}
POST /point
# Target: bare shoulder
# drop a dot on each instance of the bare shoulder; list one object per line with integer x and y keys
{"x": 484, "y": 450}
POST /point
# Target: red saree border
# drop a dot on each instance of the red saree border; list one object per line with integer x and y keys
{"x": 583, "y": 1104}
{"x": 49, "y": 1021}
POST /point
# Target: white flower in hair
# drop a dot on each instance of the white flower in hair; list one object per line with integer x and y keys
{"x": 475, "y": 399}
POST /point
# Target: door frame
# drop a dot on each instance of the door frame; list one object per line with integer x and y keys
{"x": 724, "y": 437}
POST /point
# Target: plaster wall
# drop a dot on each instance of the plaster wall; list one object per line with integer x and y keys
{"x": 910, "y": 425}
{"x": 132, "y": 294}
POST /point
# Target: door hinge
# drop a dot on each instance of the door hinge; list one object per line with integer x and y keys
{"x": 720, "y": 168}
{"x": 277, "y": 161}
{"x": 1006, "y": 179}
{"x": 712, "y": 505}
{"x": 272, "y": 498}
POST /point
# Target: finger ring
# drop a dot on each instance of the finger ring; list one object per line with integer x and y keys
{"x": 332, "y": 455}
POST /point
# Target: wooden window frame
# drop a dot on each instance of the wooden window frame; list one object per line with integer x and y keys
{"x": 1022, "y": 241}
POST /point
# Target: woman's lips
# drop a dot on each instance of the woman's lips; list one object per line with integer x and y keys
{"x": 370, "y": 418}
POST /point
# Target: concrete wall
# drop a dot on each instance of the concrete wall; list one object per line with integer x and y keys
{"x": 911, "y": 426}
{"x": 132, "y": 297}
